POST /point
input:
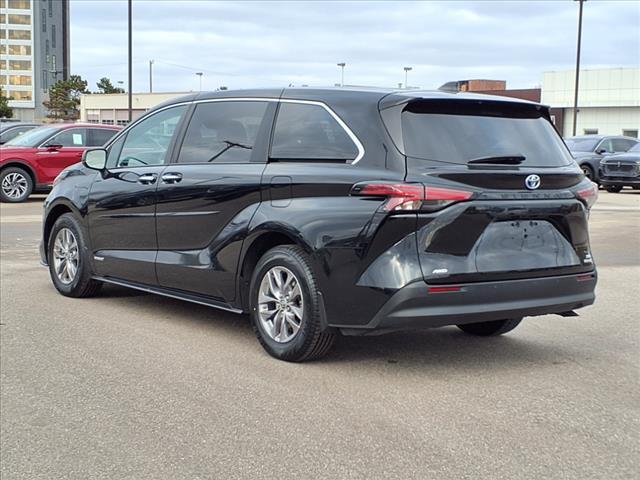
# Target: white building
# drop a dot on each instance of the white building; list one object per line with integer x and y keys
{"x": 113, "y": 108}
{"x": 608, "y": 100}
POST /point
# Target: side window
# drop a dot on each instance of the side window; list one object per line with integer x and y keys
{"x": 309, "y": 132}
{"x": 222, "y": 132}
{"x": 147, "y": 142}
{"x": 114, "y": 152}
{"x": 73, "y": 137}
{"x": 99, "y": 136}
{"x": 605, "y": 145}
{"x": 622, "y": 144}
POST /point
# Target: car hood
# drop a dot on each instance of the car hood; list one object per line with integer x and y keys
{"x": 6, "y": 151}
{"x": 623, "y": 156}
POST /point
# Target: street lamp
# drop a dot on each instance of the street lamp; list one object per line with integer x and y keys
{"x": 406, "y": 74}
{"x": 199, "y": 74}
{"x": 575, "y": 98}
{"x": 342, "y": 65}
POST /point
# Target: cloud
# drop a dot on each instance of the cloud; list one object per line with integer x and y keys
{"x": 254, "y": 44}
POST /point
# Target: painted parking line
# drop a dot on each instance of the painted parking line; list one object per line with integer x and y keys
{"x": 21, "y": 219}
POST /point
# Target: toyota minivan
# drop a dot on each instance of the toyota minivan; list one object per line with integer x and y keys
{"x": 326, "y": 212}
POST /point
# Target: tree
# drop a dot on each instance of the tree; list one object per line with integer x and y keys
{"x": 105, "y": 86}
{"x": 64, "y": 98}
{"x": 5, "y": 110}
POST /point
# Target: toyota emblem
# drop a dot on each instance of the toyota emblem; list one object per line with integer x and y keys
{"x": 532, "y": 182}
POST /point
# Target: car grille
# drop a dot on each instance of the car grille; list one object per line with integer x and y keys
{"x": 621, "y": 169}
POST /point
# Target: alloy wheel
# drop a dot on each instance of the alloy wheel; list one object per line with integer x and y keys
{"x": 280, "y": 304}
{"x": 14, "y": 185}
{"x": 65, "y": 256}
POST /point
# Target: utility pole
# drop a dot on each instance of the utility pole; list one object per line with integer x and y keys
{"x": 406, "y": 75}
{"x": 130, "y": 63}
{"x": 575, "y": 98}
{"x": 342, "y": 65}
{"x": 150, "y": 76}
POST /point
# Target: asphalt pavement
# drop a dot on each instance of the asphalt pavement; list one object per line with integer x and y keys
{"x": 134, "y": 386}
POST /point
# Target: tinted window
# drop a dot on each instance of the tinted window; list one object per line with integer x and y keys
{"x": 622, "y": 144}
{"x": 73, "y": 137}
{"x": 584, "y": 144}
{"x": 222, "y": 132}
{"x": 148, "y": 141}
{"x": 458, "y": 133}
{"x": 309, "y": 132}
{"x": 99, "y": 136}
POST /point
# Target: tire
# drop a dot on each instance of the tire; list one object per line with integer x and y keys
{"x": 490, "y": 329}
{"x": 66, "y": 233}
{"x": 588, "y": 172}
{"x": 301, "y": 337}
{"x": 15, "y": 185}
{"x": 614, "y": 189}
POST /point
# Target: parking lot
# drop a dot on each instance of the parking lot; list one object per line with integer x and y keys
{"x": 130, "y": 385}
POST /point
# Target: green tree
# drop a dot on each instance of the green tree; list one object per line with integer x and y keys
{"x": 5, "y": 110}
{"x": 105, "y": 86}
{"x": 64, "y": 98}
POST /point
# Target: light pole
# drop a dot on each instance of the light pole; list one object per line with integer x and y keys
{"x": 406, "y": 75}
{"x": 150, "y": 76}
{"x": 199, "y": 74}
{"x": 575, "y": 98}
{"x": 130, "y": 14}
{"x": 342, "y": 65}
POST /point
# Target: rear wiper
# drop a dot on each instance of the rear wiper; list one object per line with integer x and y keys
{"x": 500, "y": 160}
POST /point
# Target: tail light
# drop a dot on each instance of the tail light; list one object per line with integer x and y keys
{"x": 588, "y": 195}
{"x": 411, "y": 196}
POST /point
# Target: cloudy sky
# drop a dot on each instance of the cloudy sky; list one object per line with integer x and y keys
{"x": 255, "y": 44}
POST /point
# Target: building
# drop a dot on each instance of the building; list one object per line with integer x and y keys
{"x": 608, "y": 100}
{"x": 34, "y": 52}
{"x": 113, "y": 108}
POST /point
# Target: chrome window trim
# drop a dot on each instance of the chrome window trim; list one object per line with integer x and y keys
{"x": 335, "y": 116}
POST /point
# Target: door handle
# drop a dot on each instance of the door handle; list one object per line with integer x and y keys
{"x": 147, "y": 178}
{"x": 171, "y": 177}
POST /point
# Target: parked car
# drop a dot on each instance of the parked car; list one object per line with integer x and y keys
{"x": 621, "y": 170}
{"x": 589, "y": 150}
{"x": 30, "y": 163}
{"x": 322, "y": 212}
{"x": 11, "y": 130}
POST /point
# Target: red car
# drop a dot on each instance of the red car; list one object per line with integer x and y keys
{"x": 31, "y": 162}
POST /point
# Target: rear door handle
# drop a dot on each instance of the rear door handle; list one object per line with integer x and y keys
{"x": 147, "y": 178}
{"x": 171, "y": 177}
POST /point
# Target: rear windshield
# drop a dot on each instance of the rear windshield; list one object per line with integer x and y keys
{"x": 456, "y": 132}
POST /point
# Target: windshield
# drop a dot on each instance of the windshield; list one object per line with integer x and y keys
{"x": 584, "y": 144}
{"x": 460, "y": 133}
{"x": 32, "y": 138}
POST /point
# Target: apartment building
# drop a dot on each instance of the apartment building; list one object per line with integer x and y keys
{"x": 34, "y": 52}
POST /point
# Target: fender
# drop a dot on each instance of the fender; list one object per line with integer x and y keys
{"x": 18, "y": 162}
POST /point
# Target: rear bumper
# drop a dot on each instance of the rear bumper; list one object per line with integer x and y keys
{"x": 414, "y": 307}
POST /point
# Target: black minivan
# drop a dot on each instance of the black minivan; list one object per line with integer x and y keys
{"x": 332, "y": 211}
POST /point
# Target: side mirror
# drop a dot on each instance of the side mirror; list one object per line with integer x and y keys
{"x": 95, "y": 159}
{"x": 54, "y": 147}
{"x": 600, "y": 151}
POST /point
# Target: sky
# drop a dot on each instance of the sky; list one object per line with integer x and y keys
{"x": 275, "y": 44}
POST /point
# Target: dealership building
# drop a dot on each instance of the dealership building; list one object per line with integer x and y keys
{"x": 608, "y": 100}
{"x": 34, "y": 53}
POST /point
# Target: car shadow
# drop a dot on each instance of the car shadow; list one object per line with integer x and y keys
{"x": 437, "y": 349}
